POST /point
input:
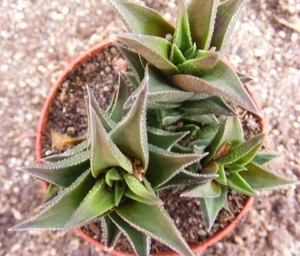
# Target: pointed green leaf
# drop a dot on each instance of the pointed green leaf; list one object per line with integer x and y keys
{"x": 198, "y": 66}
{"x": 111, "y": 176}
{"x": 107, "y": 123}
{"x": 200, "y": 119}
{"x": 133, "y": 80}
{"x": 69, "y": 152}
{"x": 96, "y": 203}
{"x": 62, "y": 173}
{"x": 163, "y": 139}
{"x": 59, "y": 209}
{"x": 117, "y": 112}
{"x": 176, "y": 56}
{"x": 259, "y": 178}
{"x": 251, "y": 154}
{"x": 110, "y": 231}
{"x": 205, "y": 135}
{"x": 152, "y": 119}
{"x": 237, "y": 183}
{"x": 227, "y": 15}
{"x": 212, "y": 105}
{"x": 130, "y": 135}
{"x": 112, "y": 103}
{"x": 202, "y": 26}
{"x": 51, "y": 192}
{"x": 182, "y": 35}
{"x": 209, "y": 189}
{"x": 139, "y": 189}
{"x": 104, "y": 153}
{"x": 119, "y": 190}
{"x": 227, "y": 208}
{"x": 236, "y": 168}
{"x": 170, "y": 116}
{"x": 134, "y": 61}
{"x": 262, "y": 158}
{"x": 230, "y": 131}
{"x": 142, "y": 20}
{"x": 187, "y": 178}
{"x": 212, "y": 206}
{"x": 160, "y": 89}
{"x": 138, "y": 240}
{"x": 198, "y": 150}
{"x": 222, "y": 179}
{"x": 187, "y": 149}
{"x": 192, "y": 129}
{"x": 145, "y": 200}
{"x": 190, "y": 53}
{"x": 220, "y": 81}
{"x": 163, "y": 165}
{"x": 148, "y": 219}
{"x": 244, "y": 152}
{"x": 155, "y": 50}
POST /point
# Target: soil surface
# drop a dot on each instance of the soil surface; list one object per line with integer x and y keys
{"x": 36, "y": 40}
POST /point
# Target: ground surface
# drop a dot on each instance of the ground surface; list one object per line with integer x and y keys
{"x": 36, "y": 37}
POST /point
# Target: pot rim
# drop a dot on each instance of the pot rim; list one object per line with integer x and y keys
{"x": 71, "y": 67}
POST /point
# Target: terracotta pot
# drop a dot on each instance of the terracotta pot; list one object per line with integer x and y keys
{"x": 39, "y": 144}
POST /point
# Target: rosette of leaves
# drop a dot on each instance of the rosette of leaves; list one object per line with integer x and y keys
{"x": 185, "y": 61}
{"x": 114, "y": 175}
{"x": 238, "y": 164}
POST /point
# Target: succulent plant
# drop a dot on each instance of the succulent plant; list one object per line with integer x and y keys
{"x": 178, "y": 129}
{"x": 237, "y": 163}
{"x": 189, "y": 55}
{"x": 188, "y": 80}
{"x": 114, "y": 175}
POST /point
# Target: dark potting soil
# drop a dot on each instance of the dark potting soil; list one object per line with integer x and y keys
{"x": 68, "y": 119}
{"x": 68, "y": 115}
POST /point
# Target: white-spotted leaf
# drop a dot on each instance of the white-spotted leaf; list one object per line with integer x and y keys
{"x": 259, "y": 178}
{"x": 209, "y": 189}
{"x": 104, "y": 153}
{"x": 164, "y": 165}
{"x": 155, "y": 50}
{"x": 137, "y": 239}
{"x": 212, "y": 206}
{"x": 220, "y": 81}
{"x": 62, "y": 173}
{"x": 227, "y": 15}
{"x": 202, "y": 26}
{"x": 95, "y": 204}
{"x": 142, "y": 20}
{"x": 60, "y": 208}
{"x": 130, "y": 134}
{"x": 155, "y": 222}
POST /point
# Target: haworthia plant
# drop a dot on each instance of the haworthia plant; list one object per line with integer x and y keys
{"x": 188, "y": 55}
{"x": 114, "y": 175}
{"x": 175, "y": 127}
{"x": 237, "y": 164}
